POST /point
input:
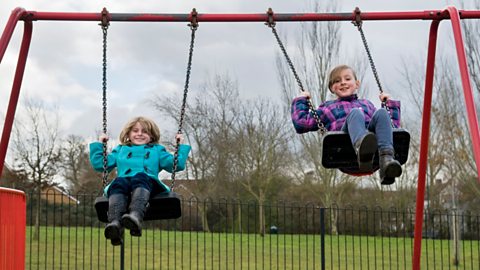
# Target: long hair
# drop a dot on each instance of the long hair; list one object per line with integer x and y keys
{"x": 149, "y": 125}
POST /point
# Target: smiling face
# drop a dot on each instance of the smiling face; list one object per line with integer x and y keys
{"x": 343, "y": 82}
{"x": 139, "y": 135}
{"x": 135, "y": 131}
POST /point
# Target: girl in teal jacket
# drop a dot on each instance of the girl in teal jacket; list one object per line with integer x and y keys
{"x": 139, "y": 159}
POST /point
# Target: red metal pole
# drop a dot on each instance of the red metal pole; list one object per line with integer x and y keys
{"x": 467, "y": 87}
{"x": 472, "y": 117}
{"x": 258, "y": 17}
{"x": 8, "y": 31}
{"x": 422, "y": 166}
{"x": 17, "y": 83}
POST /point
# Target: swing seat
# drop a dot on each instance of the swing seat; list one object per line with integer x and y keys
{"x": 160, "y": 206}
{"x": 338, "y": 152}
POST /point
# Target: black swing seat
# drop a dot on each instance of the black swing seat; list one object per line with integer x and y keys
{"x": 160, "y": 206}
{"x": 338, "y": 152}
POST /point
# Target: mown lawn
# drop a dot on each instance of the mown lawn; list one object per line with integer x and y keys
{"x": 86, "y": 248}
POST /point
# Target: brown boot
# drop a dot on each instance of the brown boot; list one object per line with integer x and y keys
{"x": 365, "y": 148}
{"x": 389, "y": 167}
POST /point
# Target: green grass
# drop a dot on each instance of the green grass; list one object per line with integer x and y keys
{"x": 86, "y": 248}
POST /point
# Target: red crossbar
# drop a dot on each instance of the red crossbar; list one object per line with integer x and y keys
{"x": 450, "y": 13}
{"x": 239, "y": 17}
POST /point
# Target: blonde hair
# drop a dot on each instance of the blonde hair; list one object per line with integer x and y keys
{"x": 150, "y": 127}
{"x": 335, "y": 73}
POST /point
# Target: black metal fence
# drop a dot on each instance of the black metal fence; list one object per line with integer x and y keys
{"x": 234, "y": 234}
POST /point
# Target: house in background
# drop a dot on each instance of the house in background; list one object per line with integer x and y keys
{"x": 56, "y": 195}
{"x": 11, "y": 179}
{"x": 51, "y": 193}
{"x": 182, "y": 187}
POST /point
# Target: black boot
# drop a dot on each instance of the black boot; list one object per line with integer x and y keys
{"x": 389, "y": 167}
{"x": 138, "y": 206}
{"x": 365, "y": 148}
{"x": 117, "y": 206}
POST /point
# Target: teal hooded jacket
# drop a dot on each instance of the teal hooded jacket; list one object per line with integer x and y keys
{"x": 129, "y": 160}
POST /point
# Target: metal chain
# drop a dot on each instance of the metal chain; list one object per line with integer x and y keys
{"x": 104, "y": 24}
{"x": 271, "y": 23}
{"x": 358, "y": 23}
{"x": 370, "y": 59}
{"x": 193, "y": 26}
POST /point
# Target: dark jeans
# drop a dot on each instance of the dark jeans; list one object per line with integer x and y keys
{"x": 125, "y": 185}
{"x": 380, "y": 125}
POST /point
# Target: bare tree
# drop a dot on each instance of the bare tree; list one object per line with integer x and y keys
{"x": 76, "y": 166}
{"x": 449, "y": 139}
{"x": 263, "y": 160}
{"x": 239, "y": 148}
{"x": 208, "y": 126}
{"x": 471, "y": 28}
{"x": 36, "y": 147}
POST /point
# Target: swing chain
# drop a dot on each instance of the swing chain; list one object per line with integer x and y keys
{"x": 104, "y": 24}
{"x": 193, "y": 26}
{"x": 271, "y": 23}
{"x": 358, "y": 23}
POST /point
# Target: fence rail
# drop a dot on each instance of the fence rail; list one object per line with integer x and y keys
{"x": 231, "y": 234}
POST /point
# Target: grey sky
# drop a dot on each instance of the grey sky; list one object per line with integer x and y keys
{"x": 64, "y": 64}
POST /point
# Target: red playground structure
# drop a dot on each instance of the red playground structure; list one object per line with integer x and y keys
{"x": 435, "y": 16}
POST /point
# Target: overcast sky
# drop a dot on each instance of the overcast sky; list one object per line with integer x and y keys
{"x": 64, "y": 64}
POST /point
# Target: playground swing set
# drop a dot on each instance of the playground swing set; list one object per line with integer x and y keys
{"x": 337, "y": 149}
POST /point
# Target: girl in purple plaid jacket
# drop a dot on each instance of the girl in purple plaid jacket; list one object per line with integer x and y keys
{"x": 370, "y": 129}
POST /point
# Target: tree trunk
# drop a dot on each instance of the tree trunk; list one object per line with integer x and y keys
{"x": 333, "y": 218}
{"x": 239, "y": 221}
{"x": 36, "y": 233}
{"x": 203, "y": 215}
{"x": 455, "y": 240}
{"x": 261, "y": 218}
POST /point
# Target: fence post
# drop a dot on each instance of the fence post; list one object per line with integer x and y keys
{"x": 12, "y": 229}
{"x": 322, "y": 237}
{"x": 122, "y": 255}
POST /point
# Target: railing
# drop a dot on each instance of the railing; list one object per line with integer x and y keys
{"x": 227, "y": 234}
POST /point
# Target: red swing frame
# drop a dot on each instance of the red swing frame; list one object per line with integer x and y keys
{"x": 436, "y": 16}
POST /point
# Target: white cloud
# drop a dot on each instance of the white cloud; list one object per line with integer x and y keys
{"x": 64, "y": 63}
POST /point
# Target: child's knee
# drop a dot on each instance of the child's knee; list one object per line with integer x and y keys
{"x": 119, "y": 185}
{"x": 382, "y": 110}
{"x": 382, "y": 113}
{"x": 141, "y": 180}
{"x": 357, "y": 110}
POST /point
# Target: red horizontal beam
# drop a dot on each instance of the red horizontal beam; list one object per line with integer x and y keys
{"x": 259, "y": 17}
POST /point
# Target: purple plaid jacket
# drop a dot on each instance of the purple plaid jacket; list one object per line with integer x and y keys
{"x": 333, "y": 113}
